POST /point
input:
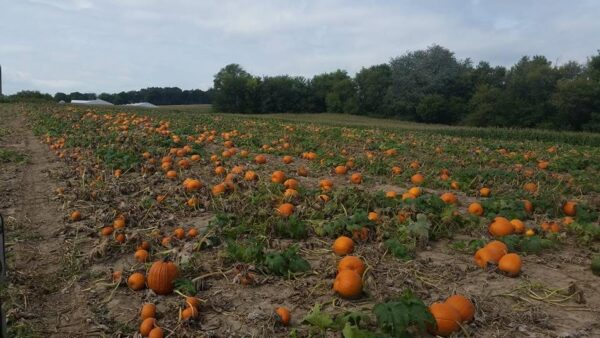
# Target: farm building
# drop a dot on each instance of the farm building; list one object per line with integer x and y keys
{"x": 142, "y": 104}
{"x": 96, "y": 102}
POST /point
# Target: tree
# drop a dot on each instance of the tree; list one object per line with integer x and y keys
{"x": 426, "y": 72}
{"x": 61, "y": 97}
{"x": 337, "y": 86}
{"x": 372, "y": 86}
{"x": 235, "y": 90}
{"x": 283, "y": 94}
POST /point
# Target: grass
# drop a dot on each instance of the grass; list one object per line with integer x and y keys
{"x": 11, "y": 156}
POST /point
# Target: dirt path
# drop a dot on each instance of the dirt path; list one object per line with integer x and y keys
{"x": 43, "y": 300}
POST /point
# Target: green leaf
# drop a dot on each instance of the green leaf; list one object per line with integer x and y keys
{"x": 316, "y": 318}
{"x": 352, "y": 331}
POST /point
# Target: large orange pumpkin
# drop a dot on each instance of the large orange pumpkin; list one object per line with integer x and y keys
{"x": 447, "y": 319}
{"x": 464, "y": 307}
{"x": 161, "y": 277}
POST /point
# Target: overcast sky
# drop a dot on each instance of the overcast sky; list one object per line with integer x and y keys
{"x": 114, "y": 45}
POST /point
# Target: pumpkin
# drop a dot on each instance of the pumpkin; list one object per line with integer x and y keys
{"x": 485, "y": 192}
{"x": 501, "y": 227}
{"x": 530, "y": 187}
{"x": 120, "y": 238}
{"x": 476, "y": 209}
{"x": 390, "y": 194}
{"x": 147, "y": 326}
{"x": 464, "y": 307}
{"x": 454, "y": 185}
{"x": 356, "y": 178}
{"x": 218, "y": 189}
{"x": 75, "y": 216}
{"x": 415, "y": 192}
{"x": 250, "y": 176}
{"x": 136, "y": 281}
{"x": 570, "y": 208}
{"x": 189, "y": 312}
{"x": 343, "y": 245}
{"x": 260, "y": 159}
{"x": 417, "y": 179}
{"x": 325, "y": 184}
{"x": 352, "y": 263}
{"x": 483, "y": 257}
{"x": 220, "y": 170}
{"x": 286, "y": 209}
{"x": 283, "y": 315}
{"x": 106, "y": 231}
{"x": 449, "y": 198}
{"x": 528, "y": 206}
{"x": 141, "y": 255}
{"x": 179, "y": 233}
{"x": 510, "y": 264}
{"x": 171, "y": 174}
{"x": 373, "y": 216}
{"x": 193, "y": 302}
{"x": 291, "y": 184}
{"x": 290, "y": 193}
{"x": 192, "y": 233}
{"x": 396, "y": 170}
{"x": 302, "y": 171}
{"x": 341, "y": 169}
{"x": 195, "y": 158}
{"x": 497, "y": 250}
{"x": 447, "y": 319}
{"x": 348, "y": 284}
{"x": 156, "y": 332}
{"x": 288, "y": 159}
{"x": 161, "y": 277}
{"x": 119, "y": 222}
{"x": 148, "y": 311}
{"x": 278, "y": 176}
{"x": 518, "y": 225}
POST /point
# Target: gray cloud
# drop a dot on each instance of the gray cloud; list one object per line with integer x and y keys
{"x": 114, "y": 45}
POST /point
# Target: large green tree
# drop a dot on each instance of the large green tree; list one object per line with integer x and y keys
{"x": 235, "y": 90}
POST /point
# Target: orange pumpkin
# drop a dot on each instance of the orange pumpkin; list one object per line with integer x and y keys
{"x": 352, "y": 263}
{"x": 343, "y": 245}
{"x": 283, "y": 314}
{"x": 348, "y": 284}
{"x": 501, "y": 227}
{"x": 286, "y": 209}
{"x": 570, "y": 208}
{"x": 417, "y": 179}
{"x": 449, "y": 198}
{"x": 476, "y": 209}
{"x": 510, "y": 264}
{"x": 161, "y": 277}
{"x": 463, "y": 305}
{"x": 341, "y": 169}
{"x": 356, "y": 178}
{"x": 447, "y": 319}
{"x": 136, "y": 281}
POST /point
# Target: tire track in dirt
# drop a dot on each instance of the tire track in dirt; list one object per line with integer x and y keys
{"x": 51, "y": 303}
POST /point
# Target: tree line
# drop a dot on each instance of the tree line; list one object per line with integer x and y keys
{"x": 154, "y": 95}
{"x": 430, "y": 86}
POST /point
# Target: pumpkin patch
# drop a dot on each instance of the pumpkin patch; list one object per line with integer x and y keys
{"x": 200, "y": 222}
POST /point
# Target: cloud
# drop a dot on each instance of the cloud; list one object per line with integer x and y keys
{"x": 114, "y": 45}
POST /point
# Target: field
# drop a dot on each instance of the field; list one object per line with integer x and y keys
{"x": 248, "y": 209}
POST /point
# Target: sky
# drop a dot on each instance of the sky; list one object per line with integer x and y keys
{"x": 115, "y": 45}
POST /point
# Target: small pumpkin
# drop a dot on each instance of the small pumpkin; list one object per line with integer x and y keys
{"x": 570, "y": 208}
{"x": 148, "y": 311}
{"x": 141, "y": 255}
{"x": 283, "y": 315}
{"x": 476, "y": 209}
{"x": 286, "y": 209}
{"x": 136, "y": 281}
{"x": 417, "y": 179}
{"x": 343, "y": 245}
{"x": 156, "y": 332}
{"x": 161, "y": 277}
{"x": 501, "y": 227}
{"x": 147, "y": 325}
